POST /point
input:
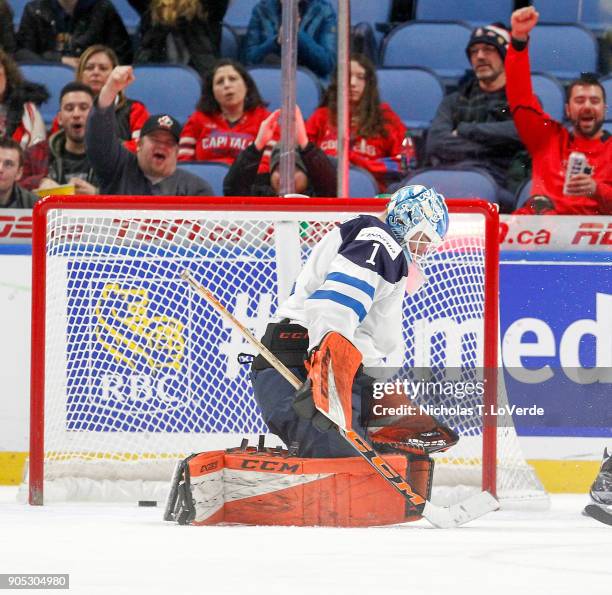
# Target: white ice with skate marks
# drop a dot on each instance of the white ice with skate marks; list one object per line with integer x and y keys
{"x": 126, "y": 549}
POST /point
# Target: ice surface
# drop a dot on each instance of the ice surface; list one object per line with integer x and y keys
{"x": 125, "y": 549}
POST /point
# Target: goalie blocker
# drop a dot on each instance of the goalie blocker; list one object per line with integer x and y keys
{"x": 269, "y": 486}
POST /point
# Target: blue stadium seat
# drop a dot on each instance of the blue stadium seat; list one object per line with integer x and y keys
{"x": 475, "y": 12}
{"x": 438, "y": 46}
{"x": 17, "y": 7}
{"x": 523, "y": 194}
{"x": 230, "y": 43}
{"x": 361, "y": 183}
{"x": 413, "y": 93}
{"x": 551, "y": 94}
{"x": 167, "y": 88}
{"x": 607, "y": 85}
{"x": 368, "y": 11}
{"x": 558, "y": 11}
{"x": 52, "y": 76}
{"x": 238, "y": 14}
{"x": 307, "y": 88}
{"x": 458, "y": 183}
{"x": 130, "y": 18}
{"x": 563, "y": 50}
{"x": 595, "y": 15}
{"x": 213, "y": 173}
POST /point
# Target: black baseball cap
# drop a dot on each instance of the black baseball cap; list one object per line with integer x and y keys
{"x": 162, "y": 122}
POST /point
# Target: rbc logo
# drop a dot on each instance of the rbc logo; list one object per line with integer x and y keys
{"x": 140, "y": 351}
{"x": 137, "y": 338}
{"x": 140, "y": 392}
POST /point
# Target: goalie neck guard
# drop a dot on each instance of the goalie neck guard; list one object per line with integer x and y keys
{"x": 415, "y": 211}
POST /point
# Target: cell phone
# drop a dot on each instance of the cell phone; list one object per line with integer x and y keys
{"x": 576, "y": 164}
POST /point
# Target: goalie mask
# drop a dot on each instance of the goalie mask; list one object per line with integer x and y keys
{"x": 418, "y": 218}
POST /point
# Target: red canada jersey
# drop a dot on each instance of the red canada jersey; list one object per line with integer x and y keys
{"x": 378, "y": 154}
{"x": 550, "y": 144}
{"x": 212, "y": 138}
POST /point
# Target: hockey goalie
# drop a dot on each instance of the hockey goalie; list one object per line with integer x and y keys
{"x": 344, "y": 315}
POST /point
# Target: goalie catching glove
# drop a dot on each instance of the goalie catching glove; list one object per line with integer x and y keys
{"x": 405, "y": 432}
{"x": 326, "y": 396}
{"x": 438, "y": 438}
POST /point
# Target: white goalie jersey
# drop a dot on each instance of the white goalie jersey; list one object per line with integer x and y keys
{"x": 353, "y": 283}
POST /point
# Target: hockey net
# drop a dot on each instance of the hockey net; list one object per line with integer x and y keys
{"x": 132, "y": 371}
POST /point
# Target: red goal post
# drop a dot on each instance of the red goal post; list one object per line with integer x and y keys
{"x": 103, "y": 264}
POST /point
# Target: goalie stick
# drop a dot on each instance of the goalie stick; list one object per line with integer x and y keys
{"x": 439, "y": 516}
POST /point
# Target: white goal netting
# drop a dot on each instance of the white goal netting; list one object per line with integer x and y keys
{"x": 139, "y": 371}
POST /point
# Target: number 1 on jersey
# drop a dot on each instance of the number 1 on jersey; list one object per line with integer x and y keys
{"x": 373, "y": 255}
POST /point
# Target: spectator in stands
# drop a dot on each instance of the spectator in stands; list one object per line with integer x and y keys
{"x": 95, "y": 65}
{"x": 316, "y": 37}
{"x": 473, "y": 127}
{"x": 12, "y": 196}
{"x": 182, "y": 32}
{"x": 60, "y": 30}
{"x": 315, "y": 174}
{"x": 153, "y": 169}
{"x": 377, "y": 132}
{"x": 227, "y": 117}
{"x": 68, "y": 162}
{"x": 550, "y": 143}
{"x": 8, "y": 42}
{"x": 21, "y": 120}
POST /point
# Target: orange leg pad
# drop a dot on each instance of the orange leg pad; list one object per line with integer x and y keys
{"x": 261, "y": 488}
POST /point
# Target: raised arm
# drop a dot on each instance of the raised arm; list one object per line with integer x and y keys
{"x": 120, "y": 78}
{"x": 533, "y": 124}
{"x": 321, "y": 171}
{"x": 243, "y": 172}
{"x": 104, "y": 149}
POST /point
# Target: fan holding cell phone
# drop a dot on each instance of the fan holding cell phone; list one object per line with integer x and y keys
{"x": 571, "y": 168}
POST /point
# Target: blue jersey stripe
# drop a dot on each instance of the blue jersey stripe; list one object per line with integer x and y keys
{"x": 364, "y": 286}
{"x": 344, "y": 300}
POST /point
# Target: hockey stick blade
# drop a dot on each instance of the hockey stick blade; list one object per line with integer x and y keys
{"x": 439, "y": 516}
{"x": 448, "y": 517}
{"x": 442, "y": 517}
{"x": 598, "y": 513}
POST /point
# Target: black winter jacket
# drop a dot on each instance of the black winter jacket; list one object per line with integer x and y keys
{"x": 201, "y": 38}
{"x": 21, "y": 199}
{"x": 243, "y": 180}
{"x": 118, "y": 169}
{"x": 17, "y": 97}
{"x": 485, "y": 134}
{"x": 57, "y": 161}
{"x": 7, "y": 32}
{"x": 48, "y": 33}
